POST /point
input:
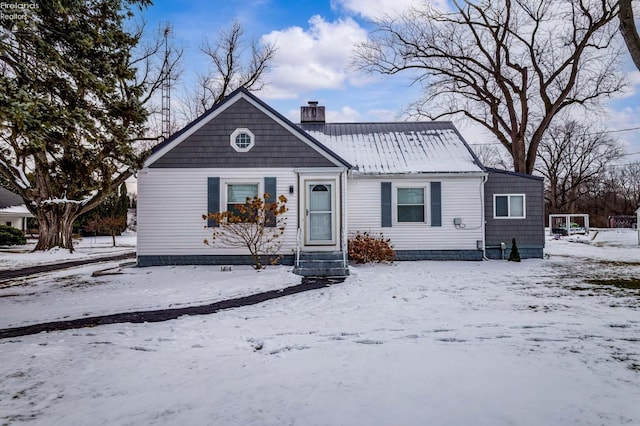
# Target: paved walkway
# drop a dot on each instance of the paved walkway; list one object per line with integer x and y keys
{"x": 38, "y": 269}
{"x": 166, "y": 314}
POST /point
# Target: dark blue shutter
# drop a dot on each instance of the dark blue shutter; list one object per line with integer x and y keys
{"x": 385, "y": 205}
{"x": 270, "y": 189}
{"x": 436, "y": 204}
{"x": 213, "y": 198}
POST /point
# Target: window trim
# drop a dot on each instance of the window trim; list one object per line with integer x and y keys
{"x": 509, "y": 216}
{"x": 237, "y": 132}
{"x": 427, "y": 197}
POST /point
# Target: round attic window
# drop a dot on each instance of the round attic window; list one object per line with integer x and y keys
{"x": 242, "y": 140}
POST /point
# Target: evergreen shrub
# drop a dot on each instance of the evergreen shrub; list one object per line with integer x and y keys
{"x": 10, "y": 236}
{"x": 514, "y": 256}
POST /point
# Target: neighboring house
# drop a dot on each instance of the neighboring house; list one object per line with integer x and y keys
{"x": 418, "y": 183}
{"x": 13, "y": 211}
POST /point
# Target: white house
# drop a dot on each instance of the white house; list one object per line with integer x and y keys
{"x": 418, "y": 183}
{"x": 13, "y": 211}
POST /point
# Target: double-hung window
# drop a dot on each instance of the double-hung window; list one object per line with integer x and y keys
{"x": 237, "y": 195}
{"x": 410, "y": 204}
{"x": 509, "y": 206}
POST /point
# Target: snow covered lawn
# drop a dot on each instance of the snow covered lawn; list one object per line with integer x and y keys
{"x": 413, "y": 343}
{"x": 85, "y": 248}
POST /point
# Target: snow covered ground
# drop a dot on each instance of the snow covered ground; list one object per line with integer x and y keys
{"x": 411, "y": 343}
{"x": 85, "y": 248}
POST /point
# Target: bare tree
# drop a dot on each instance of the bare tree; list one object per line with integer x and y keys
{"x": 232, "y": 66}
{"x": 490, "y": 156}
{"x": 628, "y": 181}
{"x": 629, "y": 30}
{"x": 510, "y": 66}
{"x": 572, "y": 157}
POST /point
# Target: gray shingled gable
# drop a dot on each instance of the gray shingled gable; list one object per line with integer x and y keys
{"x": 209, "y": 146}
{"x": 205, "y": 142}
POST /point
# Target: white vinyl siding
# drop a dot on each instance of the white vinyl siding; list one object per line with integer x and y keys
{"x": 171, "y": 203}
{"x": 461, "y": 198}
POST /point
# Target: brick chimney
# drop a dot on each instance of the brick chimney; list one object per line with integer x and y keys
{"x": 312, "y": 113}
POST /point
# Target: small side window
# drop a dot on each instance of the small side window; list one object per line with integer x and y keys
{"x": 509, "y": 206}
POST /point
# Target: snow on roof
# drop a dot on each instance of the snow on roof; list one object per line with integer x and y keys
{"x": 20, "y": 210}
{"x": 398, "y": 148}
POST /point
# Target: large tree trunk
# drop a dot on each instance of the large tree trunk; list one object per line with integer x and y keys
{"x": 56, "y": 226}
{"x": 518, "y": 154}
{"x": 629, "y": 31}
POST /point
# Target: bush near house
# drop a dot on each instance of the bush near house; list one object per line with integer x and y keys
{"x": 364, "y": 248}
{"x": 10, "y": 236}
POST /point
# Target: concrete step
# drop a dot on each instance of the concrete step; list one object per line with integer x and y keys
{"x": 321, "y": 255}
{"x": 322, "y": 272}
{"x": 304, "y": 263}
{"x": 322, "y": 264}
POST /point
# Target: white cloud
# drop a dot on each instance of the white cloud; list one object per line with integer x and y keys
{"x": 376, "y": 9}
{"x": 625, "y": 118}
{"x": 384, "y": 115}
{"x": 313, "y": 59}
{"x": 343, "y": 115}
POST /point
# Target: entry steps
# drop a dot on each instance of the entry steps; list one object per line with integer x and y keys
{"x": 322, "y": 264}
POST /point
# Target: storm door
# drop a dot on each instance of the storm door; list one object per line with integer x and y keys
{"x": 320, "y": 213}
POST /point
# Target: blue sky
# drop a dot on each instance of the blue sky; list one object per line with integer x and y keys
{"x": 314, "y": 40}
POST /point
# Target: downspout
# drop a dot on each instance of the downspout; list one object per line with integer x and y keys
{"x": 298, "y": 192}
{"x": 482, "y": 216}
{"x": 343, "y": 193}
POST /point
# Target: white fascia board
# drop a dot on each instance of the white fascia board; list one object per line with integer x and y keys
{"x": 355, "y": 174}
{"x": 320, "y": 170}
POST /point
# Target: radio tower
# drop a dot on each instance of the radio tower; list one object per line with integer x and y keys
{"x": 166, "y": 86}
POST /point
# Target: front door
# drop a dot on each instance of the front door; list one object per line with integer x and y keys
{"x": 320, "y": 213}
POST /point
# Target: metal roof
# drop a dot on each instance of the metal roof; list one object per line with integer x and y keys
{"x": 398, "y": 147}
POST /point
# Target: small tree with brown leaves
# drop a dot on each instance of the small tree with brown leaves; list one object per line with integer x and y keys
{"x": 111, "y": 225}
{"x": 256, "y": 225}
